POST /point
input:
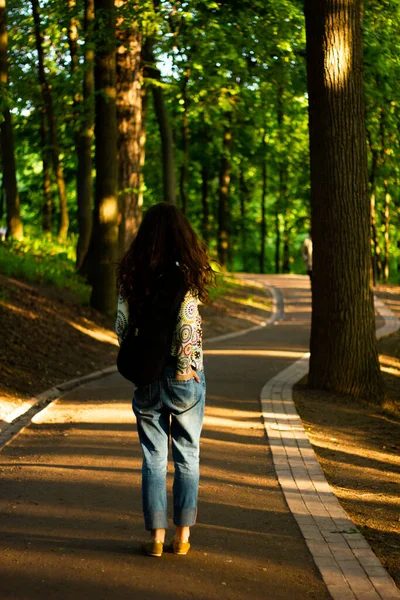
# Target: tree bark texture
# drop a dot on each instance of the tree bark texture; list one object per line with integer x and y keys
{"x": 223, "y": 203}
{"x": 85, "y": 141}
{"x": 10, "y": 188}
{"x": 129, "y": 118}
{"x": 51, "y": 122}
{"x": 386, "y": 239}
{"x": 47, "y": 207}
{"x": 105, "y": 226}
{"x": 344, "y": 354}
{"x": 263, "y": 205}
{"x": 167, "y": 142}
{"x": 244, "y": 197}
{"x": 185, "y": 142}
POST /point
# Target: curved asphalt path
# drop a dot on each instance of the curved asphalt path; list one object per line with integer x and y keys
{"x": 70, "y": 489}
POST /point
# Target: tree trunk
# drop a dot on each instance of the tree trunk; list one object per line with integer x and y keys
{"x": 376, "y": 251}
{"x": 167, "y": 143}
{"x": 129, "y": 119}
{"x": 286, "y": 243}
{"x": 105, "y": 226}
{"x": 223, "y": 204}
{"x": 85, "y": 141}
{"x": 263, "y": 205}
{"x": 243, "y": 189}
{"x": 205, "y": 202}
{"x": 185, "y": 142}
{"x": 47, "y": 207}
{"x": 344, "y": 354}
{"x": 386, "y": 240}
{"x": 51, "y": 122}
{"x": 14, "y": 222}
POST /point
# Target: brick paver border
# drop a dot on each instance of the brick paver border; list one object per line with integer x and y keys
{"x": 344, "y": 558}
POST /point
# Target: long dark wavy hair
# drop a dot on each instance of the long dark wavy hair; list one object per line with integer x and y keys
{"x": 164, "y": 237}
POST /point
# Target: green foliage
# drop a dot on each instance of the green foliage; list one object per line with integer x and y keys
{"x": 41, "y": 259}
{"x": 236, "y": 65}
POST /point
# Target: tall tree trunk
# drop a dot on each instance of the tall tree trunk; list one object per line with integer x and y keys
{"x": 105, "y": 225}
{"x": 49, "y": 112}
{"x": 263, "y": 205}
{"x": 129, "y": 119}
{"x": 386, "y": 240}
{"x": 286, "y": 243}
{"x": 223, "y": 204}
{"x": 205, "y": 202}
{"x": 244, "y": 192}
{"x": 205, "y": 179}
{"x": 344, "y": 354}
{"x": 14, "y": 222}
{"x": 47, "y": 206}
{"x": 185, "y": 141}
{"x": 167, "y": 143}
{"x": 376, "y": 251}
{"x": 85, "y": 141}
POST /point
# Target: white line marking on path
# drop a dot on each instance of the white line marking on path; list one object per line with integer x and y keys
{"x": 349, "y": 567}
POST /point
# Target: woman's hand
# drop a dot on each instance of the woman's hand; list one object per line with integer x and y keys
{"x": 191, "y": 375}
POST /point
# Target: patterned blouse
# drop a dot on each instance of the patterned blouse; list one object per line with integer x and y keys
{"x": 187, "y": 338}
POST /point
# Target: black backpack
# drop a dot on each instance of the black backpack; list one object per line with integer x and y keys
{"x": 146, "y": 346}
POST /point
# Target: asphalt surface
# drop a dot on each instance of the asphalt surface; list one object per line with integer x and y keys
{"x": 70, "y": 498}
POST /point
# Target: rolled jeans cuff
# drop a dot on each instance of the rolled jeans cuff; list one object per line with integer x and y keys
{"x": 156, "y": 520}
{"x": 185, "y": 517}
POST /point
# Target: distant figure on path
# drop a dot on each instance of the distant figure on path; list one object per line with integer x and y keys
{"x": 307, "y": 251}
{"x": 165, "y": 266}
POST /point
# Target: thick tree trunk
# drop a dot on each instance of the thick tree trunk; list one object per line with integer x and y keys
{"x": 167, "y": 143}
{"x": 129, "y": 118}
{"x": 105, "y": 226}
{"x": 223, "y": 204}
{"x": 10, "y": 189}
{"x": 50, "y": 117}
{"x": 386, "y": 239}
{"x": 85, "y": 141}
{"x": 344, "y": 354}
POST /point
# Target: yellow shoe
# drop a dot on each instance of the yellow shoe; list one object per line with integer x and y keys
{"x": 180, "y": 548}
{"x": 153, "y": 547}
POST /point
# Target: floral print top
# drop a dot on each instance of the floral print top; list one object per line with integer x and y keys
{"x": 187, "y": 338}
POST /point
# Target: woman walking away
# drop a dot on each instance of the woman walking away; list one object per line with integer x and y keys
{"x": 161, "y": 279}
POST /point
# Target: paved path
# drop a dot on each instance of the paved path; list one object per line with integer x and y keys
{"x": 70, "y": 490}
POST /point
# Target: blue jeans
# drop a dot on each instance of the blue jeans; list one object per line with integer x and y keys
{"x": 163, "y": 409}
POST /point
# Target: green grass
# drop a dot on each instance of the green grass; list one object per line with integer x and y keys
{"x": 43, "y": 260}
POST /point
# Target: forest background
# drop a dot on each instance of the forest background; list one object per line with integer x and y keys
{"x": 211, "y": 109}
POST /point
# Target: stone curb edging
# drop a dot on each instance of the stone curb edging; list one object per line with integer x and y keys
{"x": 349, "y": 567}
{"x": 16, "y": 421}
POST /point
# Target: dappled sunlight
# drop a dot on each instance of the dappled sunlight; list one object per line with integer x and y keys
{"x": 216, "y": 411}
{"x": 264, "y": 305}
{"x": 338, "y": 57}
{"x": 217, "y": 422}
{"x": 21, "y": 311}
{"x": 390, "y": 364}
{"x": 358, "y": 451}
{"x": 240, "y": 352}
{"x": 96, "y": 334}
